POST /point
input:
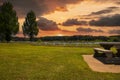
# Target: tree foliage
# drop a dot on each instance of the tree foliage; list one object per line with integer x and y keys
{"x": 30, "y": 27}
{"x": 9, "y": 25}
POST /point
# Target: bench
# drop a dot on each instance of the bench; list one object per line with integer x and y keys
{"x": 103, "y": 53}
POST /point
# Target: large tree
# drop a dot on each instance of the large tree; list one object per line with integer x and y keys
{"x": 30, "y": 27}
{"x": 9, "y": 25}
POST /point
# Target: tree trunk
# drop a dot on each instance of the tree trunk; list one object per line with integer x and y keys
{"x": 7, "y": 37}
{"x": 31, "y": 37}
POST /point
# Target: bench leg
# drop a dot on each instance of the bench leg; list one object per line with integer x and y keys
{"x": 109, "y": 56}
{"x": 96, "y": 53}
{"x": 103, "y": 55}
{"x": 118, "y": 53}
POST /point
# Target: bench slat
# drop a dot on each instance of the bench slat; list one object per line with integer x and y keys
{"x": 102, "y": 50}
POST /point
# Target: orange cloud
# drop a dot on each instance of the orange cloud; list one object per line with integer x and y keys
{"x": 61, "y": 9}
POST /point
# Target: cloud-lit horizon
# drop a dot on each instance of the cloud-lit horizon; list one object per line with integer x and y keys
{"x": 71, "y": 17}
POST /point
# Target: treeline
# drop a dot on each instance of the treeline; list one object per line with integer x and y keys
{"x": 73, "y": 38}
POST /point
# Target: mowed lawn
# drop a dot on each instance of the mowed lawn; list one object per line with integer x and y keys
{"x": 23, "y": 61}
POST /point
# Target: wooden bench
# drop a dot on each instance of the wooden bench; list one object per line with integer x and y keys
{"x": 103, "y": 53}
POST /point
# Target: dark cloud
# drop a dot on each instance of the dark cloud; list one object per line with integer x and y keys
{"x": 41, "y": 6}
{"x": 105, "y": 11}
{"x": 118, "y": 2}
{"x": 88, "y": 30}
{"x": 100, "y": 13}
{"x": 88, "y": 17}
{"x": 107, "y": 21}
{"x": 47, "y": 25}
{"x": 108, "y": 1}
{"x": 114, "y": 32}
{"x": 71, "y": 22}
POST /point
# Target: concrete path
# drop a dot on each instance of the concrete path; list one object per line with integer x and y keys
{"x": 98, "y": 66}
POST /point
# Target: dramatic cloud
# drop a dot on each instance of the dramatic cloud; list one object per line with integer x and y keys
{"x": 114, "y": 32}
{"x": 41, "y": 6}
{"x": 107, "y": 21}
{"x": 47, "y": 25}
{"x": 98, "y": 14}
{"x": 71, "y": 22}
{"x": 105, "y": 11}
{"x": 88, "y": 30}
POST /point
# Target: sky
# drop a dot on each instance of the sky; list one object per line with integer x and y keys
{"x": 71, "y": 17}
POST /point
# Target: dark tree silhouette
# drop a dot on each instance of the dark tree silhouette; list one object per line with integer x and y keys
{"x": 30, "y": 27}
{"x": 9, "y": 25}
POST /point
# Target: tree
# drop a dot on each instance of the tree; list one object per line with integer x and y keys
{"x": 30, "y": 27}
{"x": 9, "y": 25}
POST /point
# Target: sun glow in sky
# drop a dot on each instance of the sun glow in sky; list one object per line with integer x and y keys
{"x": 72, "y": 17}
{"x": 59, "y": 34}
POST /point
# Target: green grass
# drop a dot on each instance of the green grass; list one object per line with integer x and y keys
{"x": 23, "y": 61}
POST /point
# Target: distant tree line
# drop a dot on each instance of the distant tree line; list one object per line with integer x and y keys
{"x": 82, "y": 38}
{"x": 9, "y": 25}
{"x": 73, "y": 38}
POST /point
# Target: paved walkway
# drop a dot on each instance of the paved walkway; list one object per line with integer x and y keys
{"x": 98, "y": 66}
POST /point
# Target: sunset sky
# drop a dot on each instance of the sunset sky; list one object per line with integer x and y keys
{"x": 71, "y": 17}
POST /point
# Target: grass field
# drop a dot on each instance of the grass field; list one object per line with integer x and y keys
{"x": 24, "y": 61}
